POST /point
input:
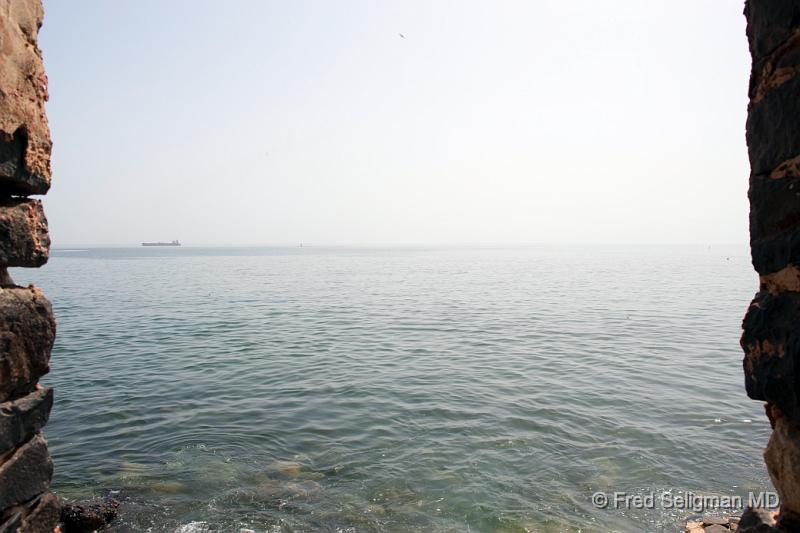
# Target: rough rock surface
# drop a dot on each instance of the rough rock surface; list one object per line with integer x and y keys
{"x": 24, "y": 241}
{"x": 770, "y": 23}
{"x": 24, "y": 133}
{"x": 757, "y": 521}
{"x": 26, "y": 473}
{"x": 712, "y": 525}
{"x": 783, "y": 461}
{"x": 22, "y": 418}
{"x": 27, "y": 333}
{"x": 27, "y": 327}
{"x": 771, "y": 340}
{"x": 771, "y": 337}
{"x": 41, "y": 515}
{"x": 751, "y": 521}
{"x": 87, "y": 517}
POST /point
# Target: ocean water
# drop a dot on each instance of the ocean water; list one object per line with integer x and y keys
{"x": 399, "y": 389}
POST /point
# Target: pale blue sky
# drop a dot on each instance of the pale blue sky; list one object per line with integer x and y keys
{"x": 265, "y": 122}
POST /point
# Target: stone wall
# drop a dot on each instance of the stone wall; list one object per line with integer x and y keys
{"x": 27, "y": 327}
{"x": 771, "y": 338}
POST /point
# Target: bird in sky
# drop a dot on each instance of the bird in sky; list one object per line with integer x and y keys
{"x": 401, "y": 35}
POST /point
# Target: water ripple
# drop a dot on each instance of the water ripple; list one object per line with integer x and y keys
{"x": 399, "y": 390}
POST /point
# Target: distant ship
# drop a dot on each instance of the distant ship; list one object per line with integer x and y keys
{"x": 173, "y": 243}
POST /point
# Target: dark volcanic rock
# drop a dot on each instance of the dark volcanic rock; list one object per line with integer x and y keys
{"x": 20, "y": 419}
{"x": 83, "y": 518}
{"x": 27, "y": 332}
{"x": 26, "y": 473}
{"x": 769, "y": 23}
{"x": 774, "y": 222}
{"x": 771, "y": 342}
{"x": 771, "y": 135}
{"x": 756, "y": 521}
{"x": 24, "y": 241}
{"x": 773, "y": 142}
{"x": 771, "y": 337}
{"x": 774, "y": 69}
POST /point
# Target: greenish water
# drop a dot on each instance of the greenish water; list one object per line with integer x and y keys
{"x": 332, "y": 389}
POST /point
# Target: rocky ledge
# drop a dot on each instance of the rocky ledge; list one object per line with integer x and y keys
{"x": 87, "y": 517}
{"x": 751, "y": 521}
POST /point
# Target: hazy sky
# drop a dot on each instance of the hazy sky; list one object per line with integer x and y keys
{"x": 278, "y": 122}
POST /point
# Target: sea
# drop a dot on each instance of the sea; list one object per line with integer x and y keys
{"x": 402, "y": 389}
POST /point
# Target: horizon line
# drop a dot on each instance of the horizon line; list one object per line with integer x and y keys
{"x": 403, "y": 244}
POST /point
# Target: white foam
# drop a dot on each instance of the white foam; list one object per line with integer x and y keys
{"x": 193, "y": 527}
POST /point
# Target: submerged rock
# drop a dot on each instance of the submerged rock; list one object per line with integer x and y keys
{"x": 303, "y": 489}
{"x": 286, "y": 468}
{"x": 87, "y": 517}
{"x": 168, "y": 487}
{"x": 277, "y": 489}
{"x": 134, "y": 472}
{"x": 293, "y": 470}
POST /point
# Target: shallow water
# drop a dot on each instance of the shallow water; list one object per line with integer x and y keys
{"x": 332, "y": 389}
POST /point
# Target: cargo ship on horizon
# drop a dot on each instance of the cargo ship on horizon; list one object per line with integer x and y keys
{"x": 172, "y": 243}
